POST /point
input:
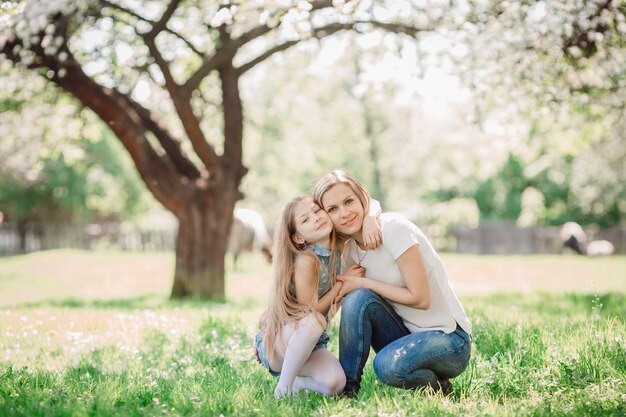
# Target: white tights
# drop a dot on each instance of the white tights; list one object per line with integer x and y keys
{"x": 300, "y": 368}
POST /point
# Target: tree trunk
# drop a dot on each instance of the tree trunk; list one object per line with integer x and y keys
{"x": 201, "y": 245}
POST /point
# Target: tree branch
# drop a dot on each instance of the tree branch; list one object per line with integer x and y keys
{"x": 253, "y": 34}
{"x": 169, "y": 144}
{"x": 210, "y": 63}
{"x": 330, "y": 29}
{"x": 227, "y": 51}
{"x": 395, "y": 27}
{"x": 263, "y": 29}
{"x": 223, "y": 54}
{"x": 181, "y": 99}
{"x": 152, "y": 23}
{"x": 111, "y": 107}
{"x": 280, "y": 47}
{"x": 158, "y": 27}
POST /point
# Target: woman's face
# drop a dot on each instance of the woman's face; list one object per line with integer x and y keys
{"x": 344, "y": 208}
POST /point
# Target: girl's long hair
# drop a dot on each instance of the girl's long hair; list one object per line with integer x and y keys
{"x": 339, "y": 176}
{"x": 283, "y": 307}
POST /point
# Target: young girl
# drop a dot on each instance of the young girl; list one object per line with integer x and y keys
{"x": 292, "y": 339}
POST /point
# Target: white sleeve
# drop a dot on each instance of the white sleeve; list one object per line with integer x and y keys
{"x": 398, "y": 236}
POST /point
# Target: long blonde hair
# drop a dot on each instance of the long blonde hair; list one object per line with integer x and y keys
{"x": 339, "y": 176}
{"x": 283, "y": 306}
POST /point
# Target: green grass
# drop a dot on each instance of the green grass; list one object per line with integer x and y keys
{"x": 535, "y": 353}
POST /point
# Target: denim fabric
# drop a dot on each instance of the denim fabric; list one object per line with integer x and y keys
{"x": 322, "y": 343}
{"x": 404, "y": 359}
{"x": 258, "y": 341}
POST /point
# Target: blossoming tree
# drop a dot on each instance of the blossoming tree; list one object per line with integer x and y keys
{"x": 189, "y": 56}
{"x": 164, "y": 76}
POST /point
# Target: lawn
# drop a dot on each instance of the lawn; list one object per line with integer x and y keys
{"x": 93, "y": 333}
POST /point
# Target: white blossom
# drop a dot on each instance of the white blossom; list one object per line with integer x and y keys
{"x": 27, "y": 20}
{"x": 222, "y": 17}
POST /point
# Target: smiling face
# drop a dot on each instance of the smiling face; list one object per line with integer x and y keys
{"x": 313, "y": 225}
{"x": 345, "y": 209}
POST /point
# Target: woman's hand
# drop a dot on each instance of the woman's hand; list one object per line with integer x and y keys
{"x": 372, "y": 233}
{"x": 351, "y": 283}
{"x": 354, "y": 272}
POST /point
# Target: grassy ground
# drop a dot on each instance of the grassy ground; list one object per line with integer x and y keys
{"x": 93, "y": 334}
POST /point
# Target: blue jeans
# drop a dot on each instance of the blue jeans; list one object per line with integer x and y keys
{"x": 404, "y": 359}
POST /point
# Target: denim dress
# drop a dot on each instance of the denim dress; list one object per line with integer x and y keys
{"x": 324, "y": 284}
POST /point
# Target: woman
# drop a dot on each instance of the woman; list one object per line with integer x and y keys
{"x": 405, "y": 308}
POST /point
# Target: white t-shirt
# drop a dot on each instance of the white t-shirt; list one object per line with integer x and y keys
{"x": 399, "y": 234}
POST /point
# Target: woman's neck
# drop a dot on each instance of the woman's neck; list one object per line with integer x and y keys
{"x": 358, "y": 238}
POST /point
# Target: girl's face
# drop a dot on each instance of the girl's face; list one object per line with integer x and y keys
{"x": 312, "y": 223}
{"x": 344, "y": 208}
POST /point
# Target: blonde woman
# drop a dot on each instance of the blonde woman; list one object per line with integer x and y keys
{"x": 291, "y": 342}
{"x": 404, "y": 308}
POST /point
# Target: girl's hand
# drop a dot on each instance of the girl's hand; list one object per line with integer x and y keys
{"x": 357, "y": 270}
{"x": 350, "y": 283}
{"x": 336, "y": 302}
{"x": 372, "y": 233}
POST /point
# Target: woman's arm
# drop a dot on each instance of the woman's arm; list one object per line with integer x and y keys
{"x": 417, "y": 291}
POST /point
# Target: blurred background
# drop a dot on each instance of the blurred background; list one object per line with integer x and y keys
{"x": 490, "y": 125}
{"x": 148, "y": 146}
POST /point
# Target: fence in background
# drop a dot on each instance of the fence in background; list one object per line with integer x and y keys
{"x": 90, "y": 237}
{"x": 506, "y": 238}
{"x": 501, "y": 238}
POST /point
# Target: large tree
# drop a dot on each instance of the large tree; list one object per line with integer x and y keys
{"x": 160, "y": 73}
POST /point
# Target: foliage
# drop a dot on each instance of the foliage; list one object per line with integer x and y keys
{"x": 560, "y": 72}
{"x": 500, "y": 196}
{"x": 305, "y": 135}
{"x": 154, "y": 72}
{"x": 164, "y": 68}
{"x": 59, "y": 168}
{"x": 562, "y": 186}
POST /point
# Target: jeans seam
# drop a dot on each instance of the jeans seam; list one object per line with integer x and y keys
{"x": 361, "y": 343}
{"x": 360, "y": 322}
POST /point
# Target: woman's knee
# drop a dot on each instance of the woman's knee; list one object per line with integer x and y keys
{"x": 385, "y": 371}
{"x": 356, "y": 299}
{"x": 391, "y": 368}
